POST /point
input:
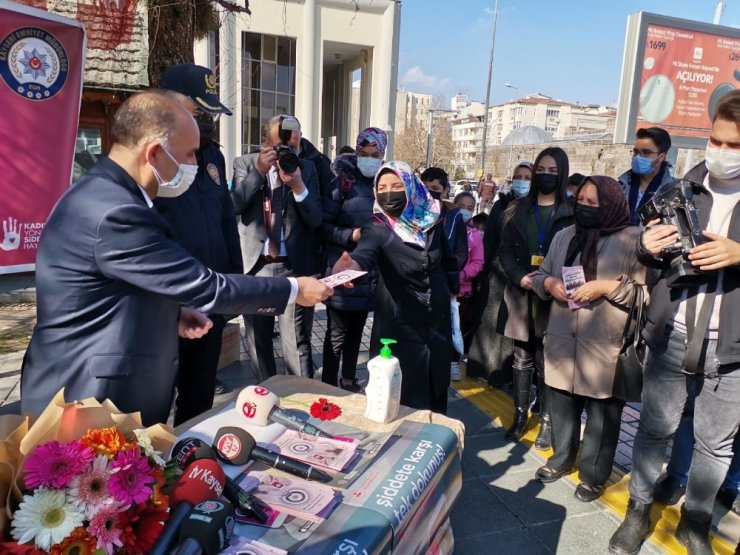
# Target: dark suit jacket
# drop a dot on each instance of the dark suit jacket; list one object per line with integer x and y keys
{"x": 110, "y": 280}
{"x": 301, "y": 220}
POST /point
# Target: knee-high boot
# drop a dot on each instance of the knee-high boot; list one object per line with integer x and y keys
{"x": 522, "y": 385}
{"x": 544, "y": 438}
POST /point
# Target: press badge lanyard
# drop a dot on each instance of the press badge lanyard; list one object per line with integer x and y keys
{"x": 538, "y": 258}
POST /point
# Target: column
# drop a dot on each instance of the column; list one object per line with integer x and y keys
{"x": 309, "y": 72}
{"x": 385, "y": 74}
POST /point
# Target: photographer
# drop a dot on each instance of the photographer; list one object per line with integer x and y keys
{"x": 277, "y": 200}
{"x": 694, "y": 342}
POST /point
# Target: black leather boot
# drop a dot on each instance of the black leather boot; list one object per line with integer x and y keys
{"x": 544, "y": 438}
{"x": 693, "y": 531}
{"x": 522, "y": 385}
{"x": 632, "y": 532}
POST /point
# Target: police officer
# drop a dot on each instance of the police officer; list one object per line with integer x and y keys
{"x": 205, "y": 223}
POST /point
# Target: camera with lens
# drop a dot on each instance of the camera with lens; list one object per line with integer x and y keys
{"x": 287, "y": 159}
{"x": 675, "y": 206}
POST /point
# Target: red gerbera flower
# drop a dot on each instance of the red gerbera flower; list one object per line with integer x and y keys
{"x": 324, "y": 410}
{"x": 142, "y": 526}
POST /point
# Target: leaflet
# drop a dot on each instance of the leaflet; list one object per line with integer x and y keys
{"x": 341, "y": 278}
{"x": 573, "y": 278}
{"x": 324, "y": 453}
{"x": 301, "y": 498}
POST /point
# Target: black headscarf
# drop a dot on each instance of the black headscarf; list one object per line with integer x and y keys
{"x": 614, "y": 216}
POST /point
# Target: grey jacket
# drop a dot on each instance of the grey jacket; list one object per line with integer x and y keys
{"x": 301, "y": 220}
{"x": 110, "y": 280}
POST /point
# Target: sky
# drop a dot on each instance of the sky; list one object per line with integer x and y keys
{"x": 567, "y": 49}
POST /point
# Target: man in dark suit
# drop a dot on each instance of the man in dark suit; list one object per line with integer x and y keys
{"x": 204, "y": 222}
{"x": 280, "y": 214}
{"x": 113, "y": 287}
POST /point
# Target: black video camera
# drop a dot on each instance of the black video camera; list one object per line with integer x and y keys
{"x": 675, "y": 206}
{"x": 287, "y": 159}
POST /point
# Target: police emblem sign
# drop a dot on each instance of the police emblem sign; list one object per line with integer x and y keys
{"x": 41, "y": 63}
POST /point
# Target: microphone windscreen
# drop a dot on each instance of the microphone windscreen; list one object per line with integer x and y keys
{"x": 190, "y": 449}
{"x": 202, "y": 480}
{"x": 255, "y": 403}
{"x": 233, "y": 445}
{"x": 210, "y": 524}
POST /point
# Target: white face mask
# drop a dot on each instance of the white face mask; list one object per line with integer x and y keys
{"x": 466, "y": 215}
{"x": 723, "y": 163}
{"x": 368, "y": 166}
{"x": 179, "y": 184}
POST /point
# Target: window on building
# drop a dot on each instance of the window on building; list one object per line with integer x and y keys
{"x": 517, "y": 124}
{"x": 551, "y": 128}
{"x": 553, "y": 113}
{"x": 268, "y": 83}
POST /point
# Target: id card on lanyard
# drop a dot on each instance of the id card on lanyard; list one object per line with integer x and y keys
{"x": 538, "y": 258}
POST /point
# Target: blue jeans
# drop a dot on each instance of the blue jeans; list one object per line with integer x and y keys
{"x": 716, "y": 419}
{"x": 683, "y": 449}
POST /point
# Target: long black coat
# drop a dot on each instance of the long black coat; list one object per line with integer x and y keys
{"x": 347, "y": 206}
{"x": 490, "y": 352}
{"x": 515, "y": 317}
{"x": 412, "y": 306}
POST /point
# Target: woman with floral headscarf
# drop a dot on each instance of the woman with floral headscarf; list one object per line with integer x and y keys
{"x": 418, "y": 273}
{"x": 347, "y": 205}
{"x": 583, "y": 340}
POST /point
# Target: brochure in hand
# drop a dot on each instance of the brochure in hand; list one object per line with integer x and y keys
{"x": 573, "y": 278}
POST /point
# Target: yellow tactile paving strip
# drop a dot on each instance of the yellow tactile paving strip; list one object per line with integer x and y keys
{"x": 499, "y": 406}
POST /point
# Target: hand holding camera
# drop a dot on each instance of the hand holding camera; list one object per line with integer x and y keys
{"x": 266, "y": 159}
{"x": 720, "y": 252}
{"x": 658, "y": 237}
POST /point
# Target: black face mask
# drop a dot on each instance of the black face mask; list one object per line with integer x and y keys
{"x": 587, "y": 216}
{"x": 206, "y": 127}
{"x": 545, "y": 183}
{"x": 436, "y": 194}
{"x": 392, "y": 203}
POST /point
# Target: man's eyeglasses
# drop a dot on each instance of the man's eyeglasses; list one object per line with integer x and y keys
{"x": 643, "y": 152}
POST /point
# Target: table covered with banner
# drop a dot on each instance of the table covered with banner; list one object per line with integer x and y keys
{"x": 395, "y": 496}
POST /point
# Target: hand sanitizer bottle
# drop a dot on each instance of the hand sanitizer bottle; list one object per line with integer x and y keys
{"x": 383, "y": 391}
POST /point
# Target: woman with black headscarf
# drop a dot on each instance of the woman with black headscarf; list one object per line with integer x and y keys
{"x": 584, "y": 332}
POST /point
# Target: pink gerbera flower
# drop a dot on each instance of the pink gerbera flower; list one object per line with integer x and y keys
{"x": 53, "y": 465}
{"x": 105, "y": 526}
{"x": 131, "y": 477}
{"x": 89, "y": 490}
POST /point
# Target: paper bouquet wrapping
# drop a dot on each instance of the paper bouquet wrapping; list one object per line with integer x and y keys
{"x": 82, "y": 477}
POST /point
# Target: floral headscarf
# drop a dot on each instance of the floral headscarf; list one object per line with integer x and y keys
{"x": 372, "y": 136}
{"x": 421, "y": 212}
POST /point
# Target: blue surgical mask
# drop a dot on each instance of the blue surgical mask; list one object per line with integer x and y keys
{"x": 368, "y": 166}
{"x": 520, "y": 187}
{"x": 641, "y": 165}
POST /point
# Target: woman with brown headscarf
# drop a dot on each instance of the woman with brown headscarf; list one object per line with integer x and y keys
{"x": 584, "y": 331}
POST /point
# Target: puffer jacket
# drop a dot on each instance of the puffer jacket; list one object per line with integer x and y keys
{"x": 347, "y": 205}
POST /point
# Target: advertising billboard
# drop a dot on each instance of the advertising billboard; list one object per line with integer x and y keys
{"x": 41, "y": 62}
{"x": 674, "y": 72}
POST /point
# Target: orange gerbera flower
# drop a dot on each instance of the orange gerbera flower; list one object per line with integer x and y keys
{"x": 79, "y": 542}
{"x": 105, "y": 441}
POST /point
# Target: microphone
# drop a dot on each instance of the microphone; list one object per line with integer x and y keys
{"x": 258, "y": 405}
{"x": 202, "y": 480}
{"x": 191, "y": 449}
{"x": 207, "y": 529}
{"x": 243, "y": 445}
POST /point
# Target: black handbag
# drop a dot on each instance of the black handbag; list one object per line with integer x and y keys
{"x": 628, "y": 375}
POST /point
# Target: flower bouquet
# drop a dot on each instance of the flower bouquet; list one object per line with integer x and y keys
{"x": 98, "y": 493}
{"x": 86, "y": 479}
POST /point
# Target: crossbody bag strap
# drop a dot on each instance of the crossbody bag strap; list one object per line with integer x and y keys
{"x": 696, "y": 336}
